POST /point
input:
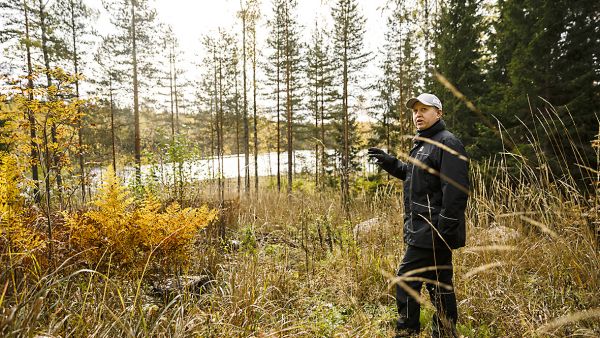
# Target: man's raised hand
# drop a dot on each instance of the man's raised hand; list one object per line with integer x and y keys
{"x": 381, "y": 156}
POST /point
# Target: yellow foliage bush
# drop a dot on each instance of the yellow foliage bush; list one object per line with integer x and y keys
{"x": 116, "y": 228}
{"x": 15, "y": 234}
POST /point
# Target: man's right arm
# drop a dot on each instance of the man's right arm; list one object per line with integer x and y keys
{"x": 389, "y": 163}
{"x": 395, "y": 168}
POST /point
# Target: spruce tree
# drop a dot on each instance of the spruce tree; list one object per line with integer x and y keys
{"x": 458, "y": 58}
{"x": 545, "y": 71}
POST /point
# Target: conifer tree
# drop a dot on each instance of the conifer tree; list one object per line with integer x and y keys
{"x": 51, "y": 46}
{"x": 546, "y": 53}
{"x": 285, "y": 73}
{"x": 253, "y": 16}
{"x": 17, "y": 14}
{"x": 458, "y": 58}
{"x": 348, "y": 32}
{"x": 77, "y": 41}
{"x": 400, "y": 80}
{"x": 135, "y": 22}
{"x": 243, "y": 14}
{"x": 108, "y": 80}
{"x": 274, "y": 73}
{"x": 321, "y": 94}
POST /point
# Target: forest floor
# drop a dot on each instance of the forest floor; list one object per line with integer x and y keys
{"x": 298, "y": 267}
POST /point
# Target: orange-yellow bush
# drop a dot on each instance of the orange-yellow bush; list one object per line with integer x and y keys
{"x": 115, "y": 228}
{"x": 14, "y": 231}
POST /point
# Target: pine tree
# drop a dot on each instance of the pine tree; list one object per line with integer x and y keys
{"x": 253, "y": 16}
{"x": 348, "y": 32}
{"x": 321, "y": 93}
{"x": 274, "y": 73}
{"x": 134, "y": 44}
{"x": 400, "y": 81}
{"x": 77, "y": 36}
{"x": 52, "y": 47}
{"x": 243, "y": 14}
{"x": 17, "y": 14}
{"x": 108, "y": 79}
{"x": 285, "y": 74}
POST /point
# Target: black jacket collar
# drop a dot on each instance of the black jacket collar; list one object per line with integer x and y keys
{"x": 434, "y": 129}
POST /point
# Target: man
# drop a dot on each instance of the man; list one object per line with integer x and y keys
{"x": 436, "y": 187}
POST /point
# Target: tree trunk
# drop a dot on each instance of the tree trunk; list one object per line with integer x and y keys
{"x": 79, "y": 122}
{"x": 288, "y": 102}
{"x": 246, "y": 131}
{"x": 172, "y": 101}
{"x": 237, "y": 130}
{"x": 254, "y": 107}
{"x": 175, "y": 89}
{"x": 218, "y": 107}
{"x": 278, "y": 94}
{"x": 323, "y": 158}
{"x": 345, "y": 155}
{"x": 316, "y": 110}
{"x": 30, "y": 116}
{"x": 54, "y": 164}
{"x": 112, "y": 125}
{"x": 136, "y": 110}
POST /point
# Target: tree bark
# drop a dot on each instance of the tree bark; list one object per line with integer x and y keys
{"x": 136, "y": 110}
{"x": 79, "y": 120}
{"x": 30, "y": 116}
{"x": 54, "y": 163}
{"x": 246, "y": 131}
{"x": 254, "y": 107}
{"x": 112, "y": 124}
{"x": 288, "y": 102}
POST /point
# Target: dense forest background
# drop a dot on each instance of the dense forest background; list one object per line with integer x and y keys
{"x": 106, "y": 231}
{"x": 501, "y": 68}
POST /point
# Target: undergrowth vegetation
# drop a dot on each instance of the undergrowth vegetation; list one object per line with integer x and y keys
{"x": 299, "y": 266}
{"x": 115, "y": 229}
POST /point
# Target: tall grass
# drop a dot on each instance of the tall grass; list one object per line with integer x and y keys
{"x": 531, "y": 267}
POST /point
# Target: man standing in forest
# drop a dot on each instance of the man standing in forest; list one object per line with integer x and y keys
{"x": 436, "y": 184}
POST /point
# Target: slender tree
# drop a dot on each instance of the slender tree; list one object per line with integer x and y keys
{"x": 78, "y": 33}
{"x": 135, "y": 24}
{"x": 348, "y": 32}
{"x": 401, "y": 72}
{"x": 51, "y": 46}
{"x": 274, "y": 69}
{"x": 16, "y": 14}
{"x": 321, "y": 93}
{"x": 285, "y": 73}
{"x": 243, "y": 14}
{"x": 253, "y": 16}
{"x": 107, "y": 79}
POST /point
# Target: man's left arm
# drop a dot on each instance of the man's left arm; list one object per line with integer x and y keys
{"x": 454, "y": 178}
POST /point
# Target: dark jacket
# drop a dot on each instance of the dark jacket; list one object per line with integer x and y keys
{"x": 436, "y": 198}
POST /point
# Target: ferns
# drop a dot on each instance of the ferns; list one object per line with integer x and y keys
{"x": 115, "y": 228}
{"x": 15, "y": 235}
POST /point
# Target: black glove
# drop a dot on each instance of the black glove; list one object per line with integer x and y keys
{"x": 381, "y": 156}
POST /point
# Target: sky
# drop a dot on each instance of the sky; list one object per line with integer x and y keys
{"x": 192, "y": 19}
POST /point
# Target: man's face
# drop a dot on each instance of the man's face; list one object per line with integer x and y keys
{"x": 425, "y": 116}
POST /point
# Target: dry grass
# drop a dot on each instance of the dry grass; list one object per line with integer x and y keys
{"x": 531, "y": 269}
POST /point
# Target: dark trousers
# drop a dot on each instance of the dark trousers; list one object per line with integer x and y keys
{"x": 444, "y": 300}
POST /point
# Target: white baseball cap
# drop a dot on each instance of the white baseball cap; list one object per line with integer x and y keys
{"x": 426, "y": 99}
